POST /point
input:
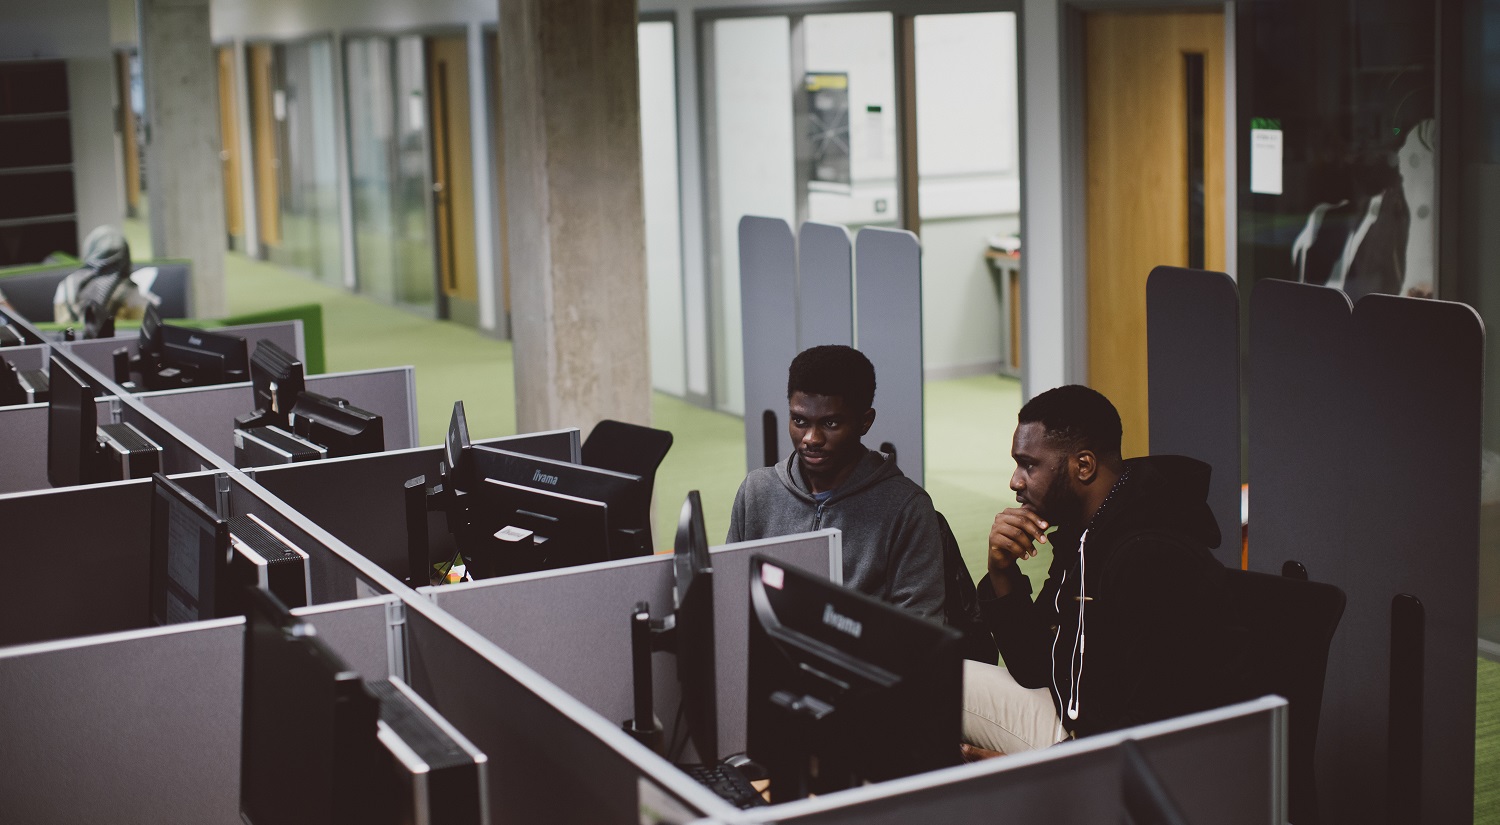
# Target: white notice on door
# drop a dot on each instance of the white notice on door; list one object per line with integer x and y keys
{"x": 1265, "y": 161}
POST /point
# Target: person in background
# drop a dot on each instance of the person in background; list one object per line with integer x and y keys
{"x": 891, "y": 541}
{"x": 1122, "y": 632}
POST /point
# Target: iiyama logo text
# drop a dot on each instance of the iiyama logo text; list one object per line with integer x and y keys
{"x": 544, "y": 478}
{"x": 842, "y": 624}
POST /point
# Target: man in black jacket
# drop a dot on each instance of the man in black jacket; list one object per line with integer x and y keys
{"x": 1122, "y": 631}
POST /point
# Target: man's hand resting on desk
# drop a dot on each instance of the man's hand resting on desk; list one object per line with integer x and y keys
{"x": 1012, "y": 539}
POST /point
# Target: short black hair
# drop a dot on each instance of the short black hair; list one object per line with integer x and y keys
{"x": 1076, "y": 418}
{"x": 833, "y": 370}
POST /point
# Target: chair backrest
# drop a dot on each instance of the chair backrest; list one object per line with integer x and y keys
{"x": 626, "y": 448}
{"x": 961, "y": 601}
{"x": 1284, "y": 627}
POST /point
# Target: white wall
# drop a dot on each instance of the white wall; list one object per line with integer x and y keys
{"x": 272, "y": 19}
{"x": 98, "y": 182}
{"x": 35, "y": 29}
{"x": 662, "y": 205}
{"x": 753, "y": 120}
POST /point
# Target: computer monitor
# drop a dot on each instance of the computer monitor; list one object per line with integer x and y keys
{"x": 72, "y": 422}
{"x": 337, "y": 425}
{"x": 171, "y": 356}
{"x": 456, "y": 445}
{"x": 693, "y": 594}
{"x": 189, "y": 545}
{"x": 627, "y": 496}
{"x": 277, "y": 379}
{"x": 845, "y": 689}
{"x": 310, "y": 748}
{"x": 517, "y": 529}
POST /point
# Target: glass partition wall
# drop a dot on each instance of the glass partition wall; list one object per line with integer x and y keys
{"x": 296, "y": 151}
{"x": 389, "y": 170}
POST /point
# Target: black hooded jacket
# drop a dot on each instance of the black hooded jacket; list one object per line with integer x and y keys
{"x": 1147, "y": 648}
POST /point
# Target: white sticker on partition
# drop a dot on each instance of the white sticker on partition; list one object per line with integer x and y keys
{"x": 657, "y": 807}
{"x": 772, "y": 576}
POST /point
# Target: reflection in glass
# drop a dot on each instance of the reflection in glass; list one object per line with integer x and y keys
{"x": 388, "y": 165}
{"x": 305, "y": 113}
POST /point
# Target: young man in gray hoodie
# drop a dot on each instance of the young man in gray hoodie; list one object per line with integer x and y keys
{"x": 892, "y": 545}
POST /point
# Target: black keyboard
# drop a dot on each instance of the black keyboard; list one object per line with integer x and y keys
{"x": 728, "y": 782}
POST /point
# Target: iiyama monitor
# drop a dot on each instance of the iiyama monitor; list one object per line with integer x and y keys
{"x": 844, "y": 688}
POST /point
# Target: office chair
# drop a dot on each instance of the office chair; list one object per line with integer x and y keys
{"x": 1284, "y": 626}
{"x": 627, "y": 448}
{"x": 961, "y": 602}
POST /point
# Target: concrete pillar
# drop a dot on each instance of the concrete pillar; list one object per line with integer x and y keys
{"x": 98, "y": 183}
{"x": 184, "y": 174}
{"x": 570, "y": 103}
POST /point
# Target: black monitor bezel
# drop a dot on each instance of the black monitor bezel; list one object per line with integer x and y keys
{"x": 897, "y": 691}
{"x": 693, "y": 594}
{"x": 72, "y": 440}
{"x": 211, "y": 561}
{"x": 627, "y": 496}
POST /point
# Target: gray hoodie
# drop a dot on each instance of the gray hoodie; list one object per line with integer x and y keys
{"x": 892, "y": 546}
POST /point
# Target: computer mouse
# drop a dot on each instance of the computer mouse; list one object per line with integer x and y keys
{"x": 751, "y": 769}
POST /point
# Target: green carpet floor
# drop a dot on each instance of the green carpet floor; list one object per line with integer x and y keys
{"x": 968, "y": 427}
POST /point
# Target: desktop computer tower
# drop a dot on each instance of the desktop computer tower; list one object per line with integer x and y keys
{"x": 434, "y": 774}
{"x": 270, "y": 446}
{"x": 261, "y": 557}
{"x": 126, "y": 453}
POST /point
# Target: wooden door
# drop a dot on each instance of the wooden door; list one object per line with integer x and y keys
{"x": 1142, "y": 170}
{"x": 452, "y": 167}
{"x": 130, "y": 148}
{"x": 229, "y": 136}
{"x": 264, "y": 144}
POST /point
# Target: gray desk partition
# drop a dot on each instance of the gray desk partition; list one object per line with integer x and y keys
{"x": 29, "y": 357}
{"x": 99, "y": 352}
{"x": 825, "y": 286}
{"x": 207, "y": 413}
{"x": 768, "y": 306}
{"x": 1344, "y": 405}
{"x": 359, "y": 499}
{"x": 889, "y": 311}
{"x": 31, "y": 293}
{"x": 1226, "y": 766}
{"x": 1193, "y": 357}
{"x": 76, "y": 560}
{"x": 23, "y": 443}
{"x": 144, "y": 726}
{"x": 136, "y": 727}
{"x": 551, "y": 759}
{"x": 572, "y": 626}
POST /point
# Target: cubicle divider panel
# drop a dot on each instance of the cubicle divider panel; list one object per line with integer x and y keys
{"x": 1300, "y": 350}
{"x": 360, "y": 633}
{"x": 1413, "y": 527}
{"x": 334, "y": 576}
{"x": 1225, "y": 766}
{"x": 77, "y": 561}
{"x": 888, "y": 264}
{"x": 29, "y": 357}
{"x": 1347, "y": 407}
{"x": 360, "y": 499}
{"x": 23, "y": 443}
{"x": 573, "y": 626}
{"x": 768, "y": 312}
{"x": 139, "y": 727}
{"x": 99, "y": 352}
{"x": 207, "y": 413}
{"x": 551, "y": 759}
{"x": 1193, "y": 359}
{"x": 177, "y": 454}
{"x": 390, "y": 393}
{"x": 825, "y": 286}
